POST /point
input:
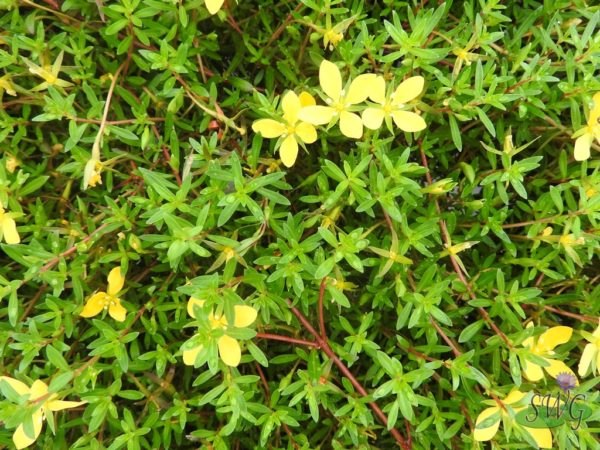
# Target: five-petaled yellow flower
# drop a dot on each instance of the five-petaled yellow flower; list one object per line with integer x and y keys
{"x": 587, "y": 134}
{"x": 213, "y": 6}
{"x": 544, "y": 348}
{"x": 289, "y": 127}
{"x": 49, "y": 73}
{"x": 229, "y": 348}
{"x": 340, "y": 101}
{"x": 8, "y": 227}
{"x": 394, "y": 106}
{"x": 590, "y": 359}
{"x": 38, "y": 393}
{"x": 108, "y": 300}
{"x": 542, "y": 436}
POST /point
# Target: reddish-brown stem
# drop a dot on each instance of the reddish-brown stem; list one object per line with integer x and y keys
{"x": 291, "y": 340}
{"x": 448, "y": 341}
{"x": 321, "y": 316}
{"x": 361, "y": 390}
{"x": 283, "y": 25}
{"x": 570, "y": 314}
{"x": 455, "y": 265}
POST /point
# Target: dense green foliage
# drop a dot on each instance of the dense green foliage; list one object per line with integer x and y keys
{"x": 430, "y": 251}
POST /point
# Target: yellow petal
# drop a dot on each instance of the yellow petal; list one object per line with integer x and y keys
{"x": 408, "y": 90}
{"x": 597, "y": 362}
{"x": 557, "y": 367}
{"x": 59, "y": 405}
{"x": 330, "y": 79}
{"x": 317, "y": 115}
{"x": 290, "y": 104}
{"x": 18, "y": 386}
{"x": 485, "y": 434}
{"x": 94, "y": 304}
{"x": 22, "y": 440}
{"x": 542, "y": 436}
{"x": 213, "y": 6}
{"x": 189, "y": 356}
{"x": 351, "y": 125}
{"x": 116, "y": 280}
{"x": 360, "y": 88}
{"x": 306, "y": 132}
{"x": 377, "y": 90}
{"x": 514, "y": 397}
{"x": 597, "y": 332}
{"x": 533, "y": 372}
{"x": 306, "y": 99}
{"x": 553, "y": 337}
{"x": 269, "y": 128}
{"x": 289, "y": 151}
{"x": 191, "y": 303}
{"x": 408, "y": 121}
{"x": 244, "y": 315}
{"x": 582, "y": 147}
{"x": 9, "y": 230}
{"x": 589, "y": 352}
{"x": 38, "y": 390}
{"x": 117, "y": 311}
{"x": 373, "y": 118}
{"x": 229, "y": 350}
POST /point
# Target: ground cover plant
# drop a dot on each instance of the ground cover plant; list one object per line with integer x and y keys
{"x": 286, "y": 225}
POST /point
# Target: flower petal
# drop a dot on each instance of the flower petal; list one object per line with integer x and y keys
{"x": 306, "y": 132}
{"x": 290, "y": 103}
{"x": 229, "y": 350}
{"x": 316, "y": 115}
{"x": 596, "y": 333}
{"x": 38, "y": 390}
{"x": 244, "y": 315}
{"x": 582, "y": 147}
{"x": 189, "y": 356}
{"x": 408, "y": 121}
{"x": 553, "y": 337}
{"x": 116, "y": 280}
{"x": 408, "y": 90}
{"x": 514, "y": 397}
{"x": 306, "y": 99}
{"x": 213, "y": 6}
{"x": 9, "y": 230}
{"x": 532, "y": 371}
{"x": 377, "y": 90}
{"x": 269, "y": 128}
{"x": 117, "y": 311}
{"x": 373, "y": 118}
{"x": 330, "y": 80}
{"x": 589, "y": 352}
{"x": 288, "y": 151}
{"x": 22, "y": 440}
{"x": 557, "y": 367}
{"x": 94, "y": 305}
{"x": 59, "y": 405}
{"x": 360, "y": 88}
{"x": 18, "y": 386}
{"x": 542, "y": 436}
{"x": 191, "y": 303}
{"x": 485, "y": 434}
{"x": 351, "y": 125}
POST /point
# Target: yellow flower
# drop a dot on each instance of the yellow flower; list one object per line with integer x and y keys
{"x": 542, "y": 436}
{"x": 229, "y": 348}
{"x": 213, "y": 6}
{"x": 11, "y": 163}
{"x": 339, "y": 100}
{"x": 91, "y": 173}
{"x": 394, "y": 106}
{"x": 590, "y": 359}
{"x": 289, "y": 127}
{"x": 544, "y": 348}
{"x": 49, "y": 73}
{"x": 38, "y": 393}
{"x": 6, "y": 86}
{"x": 589, "y": 132}
{"x": 8, "y": 227}
{"x": 108, "y": 300}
